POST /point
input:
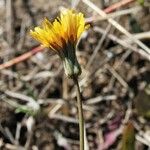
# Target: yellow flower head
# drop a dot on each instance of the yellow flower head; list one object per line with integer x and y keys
{"x": 66, "y": 29}
{"x": 62, "y": 36}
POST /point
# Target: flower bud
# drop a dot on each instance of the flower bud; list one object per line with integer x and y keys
{"x": 71, "y": 67}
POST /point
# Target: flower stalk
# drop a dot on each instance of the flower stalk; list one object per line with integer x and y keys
{"x": 80, "y": 113}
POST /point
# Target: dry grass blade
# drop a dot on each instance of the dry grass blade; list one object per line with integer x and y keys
{"x": 117, "y": 25}
{"x": 98, "y": 47}
{"x": 114, "y": 14}
{"x": 10, "y": 22}
{"x": 124, "y": 43}
{"x": 140, "y": 36}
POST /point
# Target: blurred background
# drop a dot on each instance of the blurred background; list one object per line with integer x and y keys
{"x": 38, "y": 108}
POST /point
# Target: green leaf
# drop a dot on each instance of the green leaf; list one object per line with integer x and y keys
{"x": 128, "y": 138}
{"x": 26, "y": 110}
{"x": 141, "y": 2}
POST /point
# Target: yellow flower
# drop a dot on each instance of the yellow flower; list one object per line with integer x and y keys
{"x": 62, "y": 36}
{"x": 64, "y": 30}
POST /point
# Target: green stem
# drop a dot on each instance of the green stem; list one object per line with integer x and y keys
{"x": 80, "y": 113}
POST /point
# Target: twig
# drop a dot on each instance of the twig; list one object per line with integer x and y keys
{"x": 140, "y": 36}
{"x": 98, "y": 47}
{"x": 128, "y": 113}
{"x": 65, "y": 95}
{"x": 142, "y": 140}
{"x": 22, "y": 35}
{"x": 98, "y": 99}
{"x": 9, "y": 134}
{"x": 30, "y": 126}
{"x": 13, "y": 147}
{"x": 17, "y": 135}
{"x": 117, "y": 76}
{"x": 10, "y": 22}
{"x": 55, "y": 109}
{"x": 122, "y": 59}
{"x": 22, "y": 97}
{"x": 6, "y": 132}
{"x": 124, "y": 44}
{"x": 63, "y": 118}
{"x": 117, "y": 5}
{"x": 21, "y": 58}
{"x": 63, "y": 102}
{"x": 117, "y": 25}
{"x": 113, "y": 15}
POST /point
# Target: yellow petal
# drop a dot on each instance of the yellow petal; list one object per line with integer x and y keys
{"x": 66, "y": 28}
